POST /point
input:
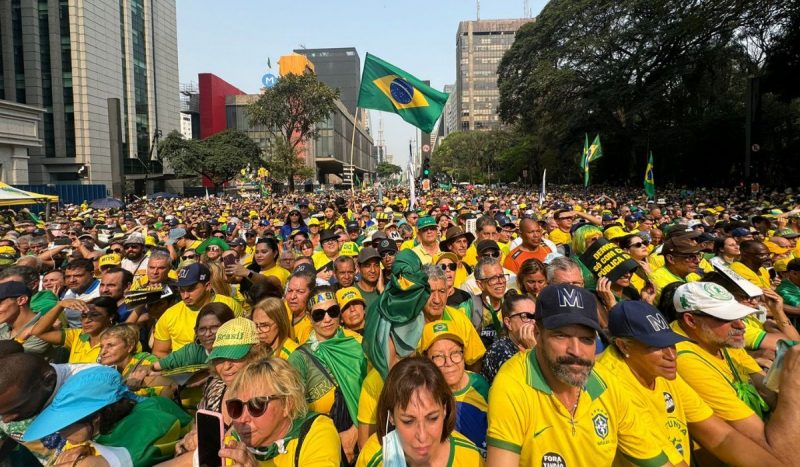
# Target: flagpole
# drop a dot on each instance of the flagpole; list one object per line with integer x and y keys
{"x": 352, "y": 148}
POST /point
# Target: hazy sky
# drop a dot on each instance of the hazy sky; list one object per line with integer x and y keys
{"x": 234, "y": 38}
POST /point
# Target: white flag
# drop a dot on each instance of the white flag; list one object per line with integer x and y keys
{"x": 542, "y": 193}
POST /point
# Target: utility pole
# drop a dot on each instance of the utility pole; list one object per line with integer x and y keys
{"x": 478, "y": 7}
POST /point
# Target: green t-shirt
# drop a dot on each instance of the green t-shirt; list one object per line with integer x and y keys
{"x": 790, "y": 292}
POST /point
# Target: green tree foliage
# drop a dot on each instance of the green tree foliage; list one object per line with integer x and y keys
{"x": 472, "y": 156}
{"x": 291, "y": 111}
{"x": 666, "y": 75}
{"x": 385, "y": 169}
{"x": 219, "y": 157}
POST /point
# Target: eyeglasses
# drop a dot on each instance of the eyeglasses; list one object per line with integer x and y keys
{"x": 492, "y": 253}
{"x": 384, "y": 254}
{"x": 450, "y": 266}
{"x": 494, "y": 280}
{"x": 209, "y": 330}
{"x": 689, "y": 256}
{"x": 264, "y": 326}
{"x": 319, "y": 315}
{"x": 441, "y": 359}
{"x": 93, "y": 316}
{"x": 255, "y": 406}
{"x": 524, "y": 316}
{"x": 188, "y": 257}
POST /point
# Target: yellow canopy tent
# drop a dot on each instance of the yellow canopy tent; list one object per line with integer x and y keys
{"x": 10, "y": 196}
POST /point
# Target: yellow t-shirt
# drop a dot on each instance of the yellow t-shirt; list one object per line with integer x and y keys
{"x": 368, "y": 399}
{"x": 671, "y": 404}
{"x": 760, "y": 279}
{"x": 711, "y": 377}
{"x": 423, "y": 255}
{"x": 471, "y": 256}
{"x": 287, "y": 348}
{"x": 463, "y": 453}
{"x": 80, "y": 347}
{"x": 279, "y": 272}
{"x": 177, "y": 323}
{"x": 527, "y": 419}
{"x": 473, "y": 345}
{"x": 559, "y": 237}
{"x": 321, "y": 447}
{"x": 662, "y": 277}
{"x": 301, "y": 329}
{"x": 407, "y": 245}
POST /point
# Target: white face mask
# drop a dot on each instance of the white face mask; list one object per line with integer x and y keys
{"x": 393, "y": 455}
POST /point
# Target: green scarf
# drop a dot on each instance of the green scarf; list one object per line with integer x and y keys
{"x": 397, "y": 314}
{"x": 343, "y": 356}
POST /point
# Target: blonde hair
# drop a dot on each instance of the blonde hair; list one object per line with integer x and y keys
{"x": 219, "y": 284}
{"x": 276, "y": 311}
{"x": 127, "y": 333}
{"x": 279, "y": 376}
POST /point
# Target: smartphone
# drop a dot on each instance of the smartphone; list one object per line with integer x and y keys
{"x": 228, "y": 260}
{"x": 210, "y": 432}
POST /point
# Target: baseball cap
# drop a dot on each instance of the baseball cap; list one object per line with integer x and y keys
{"x": 709, "y": 298}
{"x": 681, "y": 245}
{"x": 327, "y": 234}
{"x": 134, "y": 238}
{"x": 175, "y": 235}
{"x": 641, "y": 321}
{"x": 352, "y": 226}
{"x": 84, "y": 393}
{"x": 348, "y": 295}
{"x": 313, "y": 221}
{"x": 112, "y": 259}
{"x": 740, "y": 232}
{"x": 192, "y": 274}
{"x": 563, "y": 304}
{"x": 13, "y": 289}
{"x": 349, "y": 249}
{"x": 425, "y": 222}
{"x": 484, "y": 245}
{"x": 234, "y": 339}
{"x": 304, "y": 268}
{"x": 439, "y": 329}
{"x": 386, "y": 245}
{"x": 367, "y": 254}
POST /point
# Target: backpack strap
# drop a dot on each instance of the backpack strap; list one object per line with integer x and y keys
{"x": 304, "y": 429}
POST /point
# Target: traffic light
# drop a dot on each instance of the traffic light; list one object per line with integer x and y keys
{"x": 426, "y": 168}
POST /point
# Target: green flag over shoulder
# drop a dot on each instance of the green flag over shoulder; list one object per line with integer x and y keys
{"x": 388, "y": 88}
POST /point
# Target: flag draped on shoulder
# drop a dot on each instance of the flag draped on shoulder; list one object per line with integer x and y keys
{"x": 590, "y": 153}
{"x": 388, "y": 88}
{"x": 649, "y": 181}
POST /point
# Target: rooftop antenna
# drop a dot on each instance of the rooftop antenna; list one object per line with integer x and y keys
{"x": 527, "y": 8}
{"x": 478, "y": 7}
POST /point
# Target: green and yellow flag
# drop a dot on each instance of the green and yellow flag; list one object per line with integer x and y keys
{"x": 649, "y": 181}
{"x": 388, "y": 88}
{"x": 590, "y": 153}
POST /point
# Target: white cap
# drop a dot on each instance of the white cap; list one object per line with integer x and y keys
{"x": 711, "y": 299}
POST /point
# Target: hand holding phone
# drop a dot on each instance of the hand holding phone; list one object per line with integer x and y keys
{"x": 210, "y": 433}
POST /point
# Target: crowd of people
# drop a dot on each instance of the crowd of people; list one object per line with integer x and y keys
{"x": 465, "y": 327}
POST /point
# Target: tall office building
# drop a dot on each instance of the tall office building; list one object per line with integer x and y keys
{"x": 106, "y": 75}
{"x": 450, "y": 114}
{"x": 339, "y": 68}
{"x": 480, "y": 46}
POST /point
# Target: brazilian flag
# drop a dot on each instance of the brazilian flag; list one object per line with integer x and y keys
{"x": 388, "y": 88}
{"x": 649, "y": 181}
{"x": 590, "y": 153}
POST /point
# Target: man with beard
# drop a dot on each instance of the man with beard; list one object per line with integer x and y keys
{"x": 754, "y": 256}
{"x": 548, "y": 407}
{"x": 714, "y": 363}
{"x": 369, "y": 266}
{"x": 136, "y": 258}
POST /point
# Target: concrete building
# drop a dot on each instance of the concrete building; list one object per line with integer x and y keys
{"x": 479, "y": 47}
{"x": 105, "y": 74}
{"x": 339, "y": 68}
{"x": 450, "y": 113}
{"x": 19, "y": 133}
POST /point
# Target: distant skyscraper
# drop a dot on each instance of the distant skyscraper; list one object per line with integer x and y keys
{"x": 339, "y": 68}
{"x": 480, "y": 46}
{"x": 106, "y": 75}
{"x": 450, "y": 114}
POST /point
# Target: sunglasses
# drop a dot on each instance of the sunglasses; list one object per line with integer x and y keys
{"x": 450, "y": 266}
{"x": 319, "y": 315}
{"x": 188, "y": 257}
{"x": 214, "y": 248}
{"x": 116, "y": 250}
{"x": 255, "y": 406}
{"x": 493, "y": 254}
{"x": 639, "y": 244}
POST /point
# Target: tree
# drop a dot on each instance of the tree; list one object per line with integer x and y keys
{"x": 219, "y": 157}
{"x": 666, "y": 75}
{"x": 385, "y": 169}
{"x": 472, "y": 156}
{"x": 291, "y": 111}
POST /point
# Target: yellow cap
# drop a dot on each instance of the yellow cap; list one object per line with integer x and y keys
{"x": 781, "y": 265}
{"x": 615, "y": 231}
{"x": 313, "y": 221}
{"x": 321, "y": 261}
{"x": 349, "y": 249}
{"x": 7, "y": 250}
{"x": 774, "y": 248}
{"x": 347, "y": 296}
{"x": 112, "y": 259}
{"x": 234, "y": 339}
{"x": 150, "y": 241}
{"x": 436, "y": 330}
{"x": 523, "y": 205}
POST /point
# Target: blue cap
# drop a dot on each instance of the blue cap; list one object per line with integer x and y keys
{"x": 13, "y": 289}
{"x": 192, "y": 274}
{"x": 563, "y": 304}
{"x": 504, "y": 220}
{"x": 642, "y": 322}
{"x": 81, "y": 395}
{"x": 740, "y": 232}
{"x": 175, "y": 235}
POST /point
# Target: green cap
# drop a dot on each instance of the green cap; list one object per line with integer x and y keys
{"x": 426, "y": 221}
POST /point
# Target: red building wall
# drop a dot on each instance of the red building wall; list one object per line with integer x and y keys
{"x": 213, "y": 90}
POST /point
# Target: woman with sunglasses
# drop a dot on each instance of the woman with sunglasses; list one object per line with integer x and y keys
{"x": 271, "y": 423}
{"x": 294, "y": 221}
{"x": 456, "y": 298}
{"x": 265, "y": 262}
{"x": 636, "y": 247}
{"x": 517, "y": 312}
{"x": 83, "y": 343}
{"x": 332, "y": 366}
{"x": 417, "y": 420}
{"x": 443, "y": 344}
{"x": 273, "y": 327}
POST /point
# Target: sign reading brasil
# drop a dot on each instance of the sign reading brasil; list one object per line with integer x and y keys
{"x": 606, "y": 259}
